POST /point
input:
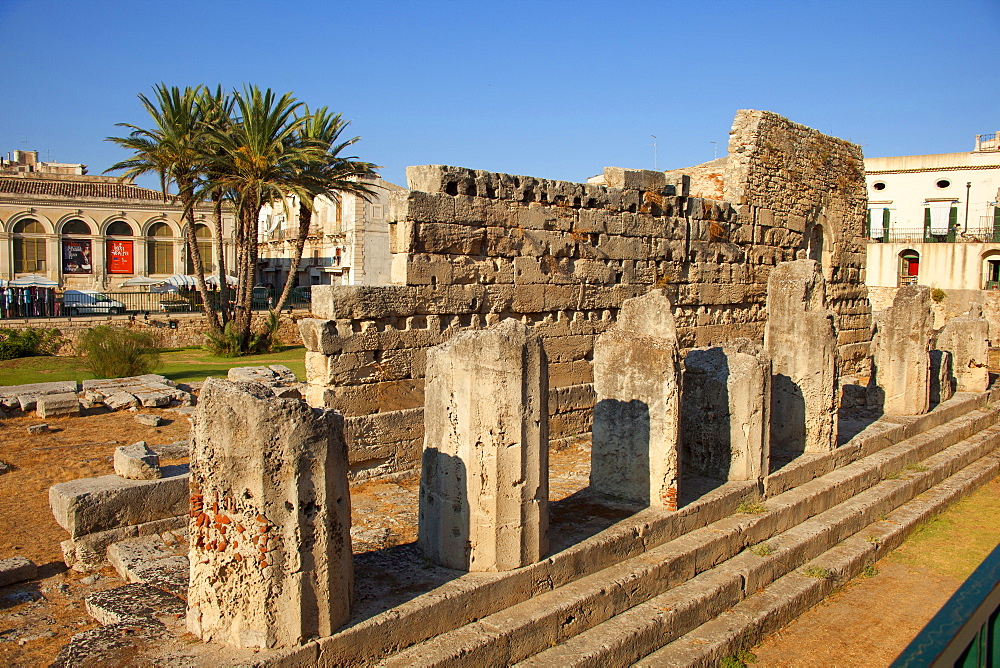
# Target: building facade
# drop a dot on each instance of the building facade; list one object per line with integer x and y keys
{"x": 93, "y": 232}
{"x": 348, "y": 241}
{"x": 935, "y": 219}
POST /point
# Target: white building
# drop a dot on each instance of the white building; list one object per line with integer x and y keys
{"x": 934, "y": 219}
{"x": 348, "y": 241}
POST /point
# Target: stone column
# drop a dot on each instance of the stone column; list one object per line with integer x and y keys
{"x": 942, "y": 381}
{"x": 725, "y": 421}
{"x": 801, "y": 340}
{"x": 637, "y": 375}
{"x": 270, "y": 543}
{"x": 966, "y": 337}
{"x": 901, "y": 358}
{"x": 484, "y": 483}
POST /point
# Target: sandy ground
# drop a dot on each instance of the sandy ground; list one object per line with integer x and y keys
{"x": 865, "y": 624}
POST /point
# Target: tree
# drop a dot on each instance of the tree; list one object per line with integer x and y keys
{"x": 173, "y": 149}
{"x": 328, "y": 174}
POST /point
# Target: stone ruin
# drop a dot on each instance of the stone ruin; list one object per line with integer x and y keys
{"x": 685, "y": 336}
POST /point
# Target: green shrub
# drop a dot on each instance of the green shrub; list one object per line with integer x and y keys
{"x": 938, "y": 295}
{"x": 15, "y": 343}
{"x": 112, "y": 352}
{"x": 229, "y": 343}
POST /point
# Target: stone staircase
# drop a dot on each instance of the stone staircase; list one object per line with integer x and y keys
{"x": 693, "y": 586}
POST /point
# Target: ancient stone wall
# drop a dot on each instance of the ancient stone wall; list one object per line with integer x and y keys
{"x": 473, "y": 247}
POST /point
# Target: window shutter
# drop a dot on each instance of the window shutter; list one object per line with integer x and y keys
{"x": 885, "y": 225}
{"x": 996, "y": 223}
{"x": 927, "y": 223}
{"x": 952, "y": 222}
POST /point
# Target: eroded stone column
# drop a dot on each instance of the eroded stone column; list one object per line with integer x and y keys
{"x": 942, "y": 380}
{"x": 637, "y": 375}
{"x": 901, "y": 357}
{"x": 484, "y": 483}
{"x": 271, "y": 562}
{"x": 725, "y": 406}
{"x": 801, "y": 340}
{"x": 967, "y": 338}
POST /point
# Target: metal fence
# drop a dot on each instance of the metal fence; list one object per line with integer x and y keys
{"x": 85, "y": 304}
{"x": 919, "y": 235}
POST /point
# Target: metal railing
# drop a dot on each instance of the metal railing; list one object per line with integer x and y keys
{"x": 966, "y": 631}
{"x": 140, "y": 303}
{"x": 918, "y": 235}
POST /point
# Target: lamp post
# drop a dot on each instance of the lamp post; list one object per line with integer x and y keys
{"x": 968, "y": 187}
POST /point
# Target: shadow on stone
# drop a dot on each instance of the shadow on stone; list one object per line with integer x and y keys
{"x": 619, "y": 457}
{"x": 444, "y": 510}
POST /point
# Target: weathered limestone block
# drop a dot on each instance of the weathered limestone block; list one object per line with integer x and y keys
{"x": 137, "y": 462}
{"x": 91, "y": 550}
{"x": 637, "y": 376}
{"x": 10, "y": 395}
{"x": 725, "y": 421}
{"x": 484, "y": 484}
{"x": 131, "y": 602}
{"x": 270, "y": 552}
{"x": 17, "y": 569}
{"x": 901, "y": 359}
{"x": 801, "y": 340}
{"x": 57, "y": 405}
{"x": 120, "y": 400}
{"x": 942, "y": 380}
{"x": 967, "y": 339}
{"x": 90, "y": 505}
{"x": 148, "y": 419}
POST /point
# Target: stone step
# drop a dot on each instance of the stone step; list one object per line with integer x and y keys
{"x": 475, "y": 596}
{"x": 650, "y": 625}
{"x": 749, "y": 621}
{"x": 529, "y": 627}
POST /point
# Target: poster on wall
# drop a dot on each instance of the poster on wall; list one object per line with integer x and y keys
{"x": 119, "y": 257}
{"x": 76, "y": 256}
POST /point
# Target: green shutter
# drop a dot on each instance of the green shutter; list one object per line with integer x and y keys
{"x": 996, "y": 223}
{"x": 885, "y": 225}
{"x": 952, "y": 222}
{"x": 868, "y": 225}
{"x": 927, "y": 223}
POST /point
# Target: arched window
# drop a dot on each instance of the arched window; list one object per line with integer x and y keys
{"x": 909, "y": 267}
{"x": 814, "y": 244}
{"x": 204, "y": 235}
{"x": 160, "y": 249}
{"x": 991, "y": 270}
{"x": 75, "y": 226}
{"x": 29, "y": 250}
{"x": 120, "y": 228}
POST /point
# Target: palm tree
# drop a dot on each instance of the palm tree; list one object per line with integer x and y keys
{"x": 327, "y": 174}
{"x": 173, "y": 149}
{"x": 257, "y": 161}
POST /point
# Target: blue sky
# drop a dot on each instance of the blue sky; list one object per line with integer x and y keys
{"x": 546, "y": 88}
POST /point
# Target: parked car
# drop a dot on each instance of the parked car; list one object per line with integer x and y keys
{"x": 90, "y": 302}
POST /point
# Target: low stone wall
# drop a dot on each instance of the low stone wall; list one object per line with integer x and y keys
{"x": 178, "y": 330}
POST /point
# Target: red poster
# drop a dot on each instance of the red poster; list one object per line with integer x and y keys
{"x": 119, "y": 257}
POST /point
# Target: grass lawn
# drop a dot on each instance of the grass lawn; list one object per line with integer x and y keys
{"x": 183, "y": 366}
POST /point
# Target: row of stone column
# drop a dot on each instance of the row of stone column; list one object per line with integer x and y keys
{"x": 270, "y": 505}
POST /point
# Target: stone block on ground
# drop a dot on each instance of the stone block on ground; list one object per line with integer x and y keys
{"x": 137, "y": 462}
{"x": 90, "y": 551}
{"x": 38, "y": 428}
{"x": 175, "y": 450}
{"x": 105, "y": 645}
{"x": 135, "y": 601}
{"x": 148, "y": 419}
{"x": 942, "y": 379}
{"x": 484, "y": 481}
{"x": 91, "y": 505}
{"x": 17, "y": 396}
{"x": 637, "y": 379}
{"x": 57, "y": 405}
{"x": 271, "y": 561}
{"x": 150, "y": 560}
{"x": 17, "y": 569}
{"x": 275, "y": 374}
{"x": 120, "y": 400}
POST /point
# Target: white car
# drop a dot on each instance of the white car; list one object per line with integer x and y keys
{"x": 90, "y": 302}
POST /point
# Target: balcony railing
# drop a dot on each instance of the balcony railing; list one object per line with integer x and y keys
{"x": 918, "y": 235}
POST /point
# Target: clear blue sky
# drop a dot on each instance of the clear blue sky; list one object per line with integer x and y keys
{"x": 545, "y": 88}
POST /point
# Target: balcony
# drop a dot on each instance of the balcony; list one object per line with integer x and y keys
{"x": 918, "y": 235}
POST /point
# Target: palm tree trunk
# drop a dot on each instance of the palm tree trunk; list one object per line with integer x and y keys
{"x": 220, "y": 258}
{"x": 187, "y": 200}
{"x": 305, "y": 219}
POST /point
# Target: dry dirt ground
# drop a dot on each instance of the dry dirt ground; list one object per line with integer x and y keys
{"x": 863, "y": 625}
